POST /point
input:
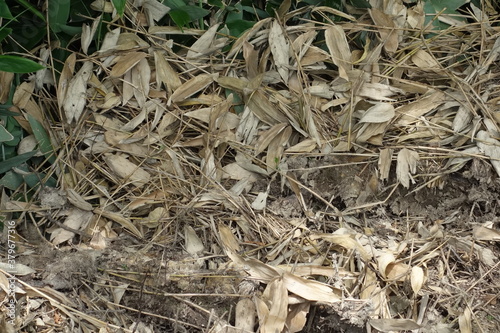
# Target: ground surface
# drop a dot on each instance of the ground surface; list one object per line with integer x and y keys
{"x": 306, "y": 176}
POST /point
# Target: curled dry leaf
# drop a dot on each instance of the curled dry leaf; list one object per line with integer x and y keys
{"x": 417, "y": 279}
{"x": 406, "y": 165}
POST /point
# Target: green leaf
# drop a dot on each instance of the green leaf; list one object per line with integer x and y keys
{"x": 4, "y": 33}
{"x": 42, "y": 138}
{"x": 58, "y": 12}
{"x": 32, "y": 9}
{"x": 4, "y": 11}
{"x": 173, "y": 4}
{"x": 180, "y": 17}
{"x": 195, "y": 12}
{"x": 237, "y": 27}
{"x": 5, "y": 112}
{"x": 14, "y": 64}
{"x": 5, "y": 135}
{"x": 119, "y": 6}
{"x": 216, "y": 3}
{"x": 15, "y": 161}
{"x": 11, "y": 180}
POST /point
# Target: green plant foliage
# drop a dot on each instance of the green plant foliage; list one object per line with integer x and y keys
{"x": 183, "y": 14}
{"x": 42, "y": 139}
{"x": 4, "y": 11}
{"x": 15, "y": 161}
{"x": 15, "y": 64}
{"x": 120, "y": 6}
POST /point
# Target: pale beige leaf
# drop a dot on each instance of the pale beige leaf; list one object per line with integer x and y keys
{"x": 245, "y": 37}
{"x": 260, "y": 201}
{"x": 378, "y": 91}
{"x": 425, "y": 61}
{"x": 384, "y": 163}
{"x": 388, "y": 324}
{"x": 141, "y": 74}
{"x": 333, "y": 11}
{"x": 417, "y": 279}
{"x": 191, "y": 87}
{"x": 127, "y": 170}
{"x": 228, "y": 239}
{"x": 266, "y": 137}
{"x": 297, "y": 317}
{"x": 340, "y": 52}
{"x": 65, "y": 78}
{"x": 465, "y": 321}
{"x": 120, "y": 219}
{"x": 245, "y": 315}
{"x": 260, "y": 105}
{"x": 110, "y": 40}
{"x": 277, "y": 298}
{"x": 378, "y": 113}
{"x": 203, "y": 45}
{"x": 76, "y": 200}
{"x": 486, "y": 234}
{"x": 305, "y": 146}
{"x": 412, "y": 111}
{"x": 155, "y": 9}
{"x": 462, "y": 119}
{"x": 77, "y": 219}
{"x": 279, "y": 49}
{"x": 193, "y": 243}
{"x": 406, "y": 165}
{"x": 276, "y": 149}
{"x": 347, "y": 241}
{"x": 490, "y": 147}
{"x": 165, "y": 73}
{"x": 310, "y": 289}
{"x": 126, "y": 63}
{"x": 386, "y": 28}
{"x": 16, "y": 269}
{"x": 76, "y": 95}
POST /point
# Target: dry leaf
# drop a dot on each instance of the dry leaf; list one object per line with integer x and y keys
{"x": 191, "y": 87}
{"x": 340, "y": 52}
{"x": 417, "y": 279}
{"x": 406, "y": 165}
{"x": 76, "y": 94}
{"x": 279, "y": 49}
{"x": 127, "y": 170}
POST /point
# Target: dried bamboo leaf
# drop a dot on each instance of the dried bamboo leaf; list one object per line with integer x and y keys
{"x": 388, "y": 324}
{"x": 165, "y": 73}
{"x": 406, "y": 165}
{"x": 76, "y": 95}
{"x": 417, "y": 279}
{"x": 384, "y": 163}
{"x": 340, "y": 52}
{"x": 127, "y": 170}
{"x": 120, "y": 219}
{"x": 126, "y": 63}
{"x": 276, "y": 296}
{"x": 191, "y": 87}
{"x": 279, "y": 49}
{"x": 386, "y": 28}
{"x": 412, "y": 111}
{"x": 378, "y": 113}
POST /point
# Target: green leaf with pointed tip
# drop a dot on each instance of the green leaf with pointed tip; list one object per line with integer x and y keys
{"x": 5, "y": 135}
{"x": 15, "y": 161}
{"x": 14, "y": 64}
{"x": 4, "y": 11}
{"x": 119, "y": 6}
{"x": 42, "y": 138}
